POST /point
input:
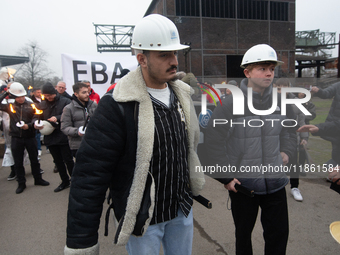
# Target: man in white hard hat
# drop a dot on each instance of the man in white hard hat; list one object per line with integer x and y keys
{"x": 22, "y": 117}
{"x": 250, "y": 143}
{"x": 141, "y": 144}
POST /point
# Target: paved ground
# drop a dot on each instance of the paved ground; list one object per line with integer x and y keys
{"x": 34, "y": 222}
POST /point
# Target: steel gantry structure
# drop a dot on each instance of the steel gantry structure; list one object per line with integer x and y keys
{"x": 113, "y": 38}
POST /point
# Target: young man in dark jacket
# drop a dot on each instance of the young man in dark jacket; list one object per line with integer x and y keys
{"x": 22, "y": 117}
{"x": 57, "y": 141}
{"x": 255, "y": 148}
{"x": 141, "y": 144}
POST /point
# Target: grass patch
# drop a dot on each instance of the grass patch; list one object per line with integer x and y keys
{"x": 322, "y": 109}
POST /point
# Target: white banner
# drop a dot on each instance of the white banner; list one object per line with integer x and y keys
{"x": 101, "y": 70}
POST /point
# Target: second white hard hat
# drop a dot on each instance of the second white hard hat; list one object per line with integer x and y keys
{"x": 17, "y": 89}
{"x": 260, "y": 53}
{"x": 158, "y": 33}
{"x": 47, "y": 128}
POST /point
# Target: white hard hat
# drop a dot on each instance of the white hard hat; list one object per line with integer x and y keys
{"x": 17, "y": 89}
{"x": 156, "y": 32}
{"x": 260, "y": 53}
{"x": 47, "y": 128}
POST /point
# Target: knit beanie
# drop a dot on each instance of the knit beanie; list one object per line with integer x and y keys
{"x": 48, "y": 89}
{"x": 124, "y": 72}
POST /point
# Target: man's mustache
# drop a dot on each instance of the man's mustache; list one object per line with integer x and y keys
{"x": 171, "y": 68}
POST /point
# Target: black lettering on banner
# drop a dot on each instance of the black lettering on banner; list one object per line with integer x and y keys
{"x": 114, "y": 74}
{"x": 100, "y": 72}
{"x": 76, "y": 72}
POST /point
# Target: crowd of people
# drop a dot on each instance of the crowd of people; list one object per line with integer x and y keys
{"x": 139, "y": 141}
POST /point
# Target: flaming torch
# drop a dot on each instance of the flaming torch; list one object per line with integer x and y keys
{"x": 19, "y": 123}
{"x": 39, "y": 113}
{"x": 11, "y": 108}
{"x": 30, "y": 87}
{"x": 42, "y": 97}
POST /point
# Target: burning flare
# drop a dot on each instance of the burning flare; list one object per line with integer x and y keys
{"x": 37, "y": 111}
{"x": 42, "y": 97}
{"x": 12, "y": 109}
{"x": 30, "y": 87}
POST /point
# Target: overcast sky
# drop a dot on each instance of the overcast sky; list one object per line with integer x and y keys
{"x": 66, "y": 26}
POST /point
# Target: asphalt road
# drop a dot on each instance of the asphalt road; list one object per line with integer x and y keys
{"x": 34, "y": 222}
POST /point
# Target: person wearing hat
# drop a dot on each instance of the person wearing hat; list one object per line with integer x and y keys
{"x": 250, "y": 146}
{"x": 122, "y": 74}
{"x": 56, "y": 141}
{"x": 141, "y": 144}
{"x": 22, "y": 117}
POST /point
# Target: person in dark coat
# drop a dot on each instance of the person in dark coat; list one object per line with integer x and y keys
{"x": 57, "y": 141}
{"x": 141, "y": 143}
{"x": 36, "y": 98}
{"x": 22, "y": 117}
{"x": 332, "y": 91}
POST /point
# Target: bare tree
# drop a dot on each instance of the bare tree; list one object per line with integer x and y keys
{"x": 35, "y": 72}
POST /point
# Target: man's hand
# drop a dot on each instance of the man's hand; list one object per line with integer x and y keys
{"x": 231, "y": 185}
{"x": 38, "y": 127}
{"x": 303, "y": 142}
{"x": 308, "y": 128}
{"x": 314, "y": 90}
{"x": 334, "y": 174}
{"x": 285, "y": 158}
{"x": 24, "y": 127}
{"x": 53, "y": 119}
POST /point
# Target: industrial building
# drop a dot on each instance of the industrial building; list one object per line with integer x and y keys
{"x": 220, "y": 31}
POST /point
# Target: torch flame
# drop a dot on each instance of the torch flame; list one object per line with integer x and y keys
{"x": 42, "y": 97}
{"x": 37, "y": 111}
{"x": 30, "y": 87}
{"x": 12, "y": 109}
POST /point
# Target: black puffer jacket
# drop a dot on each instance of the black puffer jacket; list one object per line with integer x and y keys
{"x": 113, "y": 154}
{"x": 244, "y": 146}
{"x": 54, "y": 108}
{"x": 332, "y": 91}
{"x": 23, "y": 112}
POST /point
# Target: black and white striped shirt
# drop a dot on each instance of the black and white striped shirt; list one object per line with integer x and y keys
{"x": 169, "y": 165}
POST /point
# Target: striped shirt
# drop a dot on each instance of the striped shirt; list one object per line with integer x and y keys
{"x": 169, "y": 165}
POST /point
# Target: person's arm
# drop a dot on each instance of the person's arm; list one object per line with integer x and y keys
{"x": 328, "y": 92}
{"x": 66, "y": 125}
{"x": 4, "y": 107}
{"x": 65, "y": 102}
{"x": 100, "y": 151}
{"x": 328, "y": 128}
{"x": 334, "y": 175}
